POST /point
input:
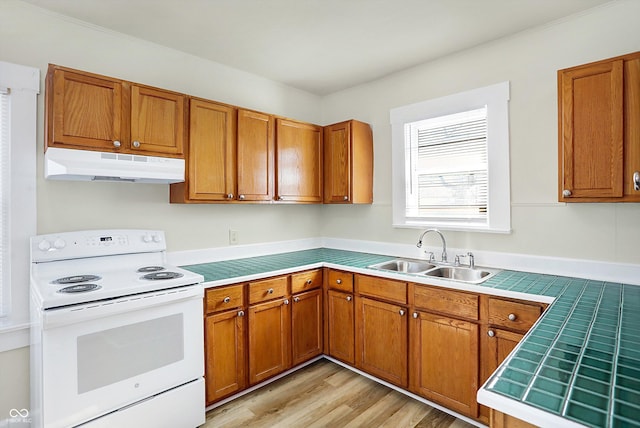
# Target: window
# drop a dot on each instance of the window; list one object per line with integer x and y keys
{"x": 451, "y": 162}
{"x": 19, "y": 87}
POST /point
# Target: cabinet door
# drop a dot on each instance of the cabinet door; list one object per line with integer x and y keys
{"x": 84, "y": 111}
{"x": 341, "y": 336}
{"x": 157, "y": 121}
{"x": 444, "y": 361}
{"x": 381, "y": 340}
{"x": 211, "y": 160}
{"x": 298, "y": 162}
{"x": 591, "y": 131}
{"x": 337, "y": 163}
{"x": 224, "y": 354}
{"x": 269, "y": 339}
{"x": 256, "y": 156}
{"x": 306, "y": 326}
{"x": 500, "y": 343}
{"x": 348, "y": 163}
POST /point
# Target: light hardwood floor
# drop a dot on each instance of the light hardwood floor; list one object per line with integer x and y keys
{"x": 325, "y": 394}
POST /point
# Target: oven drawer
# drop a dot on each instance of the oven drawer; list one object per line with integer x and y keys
{"x": 223, "y": 298}
{"x": 268, "y": 289}
{"x": 306, "y": 281}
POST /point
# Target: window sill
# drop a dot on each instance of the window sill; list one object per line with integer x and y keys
{"x": 451, "y": 227}
{"x": 14, "y": 335}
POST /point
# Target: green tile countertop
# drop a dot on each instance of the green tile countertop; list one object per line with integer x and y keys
{"x": 579, "y": 363}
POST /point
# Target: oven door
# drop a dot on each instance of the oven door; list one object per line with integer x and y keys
{"x": 128, "y": 350}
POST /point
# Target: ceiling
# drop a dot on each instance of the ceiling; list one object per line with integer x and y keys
{"x": 319, "y": 46}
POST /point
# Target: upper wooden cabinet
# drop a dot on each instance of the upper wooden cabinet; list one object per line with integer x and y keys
{"x": 256, "y": 156}
{"x": 298, "y": 162}
{"x": 599, "y": 131}
{"x": 211, "y": 154}
{"x": 93, "y": 112}
{"x": 348, "y": 163}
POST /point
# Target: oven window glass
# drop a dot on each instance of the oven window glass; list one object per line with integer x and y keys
{"x": 113, "y": 355}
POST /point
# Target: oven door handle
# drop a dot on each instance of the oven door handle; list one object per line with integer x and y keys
{"x": 90, "y": 311}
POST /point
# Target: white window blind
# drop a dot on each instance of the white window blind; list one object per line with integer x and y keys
{"x": 448, "y": 168}
{"x": 5, "y": 177}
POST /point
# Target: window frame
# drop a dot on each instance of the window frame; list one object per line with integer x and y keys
{"x": 24, "y": 85}
{"x": 496, "y": 98}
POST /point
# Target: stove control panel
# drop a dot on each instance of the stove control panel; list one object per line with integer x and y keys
{"x": 95, "y": 243}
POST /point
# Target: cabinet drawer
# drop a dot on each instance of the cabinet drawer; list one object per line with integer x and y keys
{"x": 445, "y": 301}
{"x": 513, "y": 315}
{"x": 223, "y": 298}
{"x": 306, "y": 281}
{"x": 341, "y": 281}
{"x": 387, "y": 289}
{"x": 267, "y": 289}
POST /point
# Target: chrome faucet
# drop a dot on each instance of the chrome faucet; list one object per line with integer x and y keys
{"x": 444, "y": 243}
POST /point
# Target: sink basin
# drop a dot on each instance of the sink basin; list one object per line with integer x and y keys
{"x": 404, "y": 266}
{"x": 463, "y": 274}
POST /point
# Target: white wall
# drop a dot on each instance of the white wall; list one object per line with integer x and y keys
{"x": 34, "y": 37}
{"x": 529, "y": 60}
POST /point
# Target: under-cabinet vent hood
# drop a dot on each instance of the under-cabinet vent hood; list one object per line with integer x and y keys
{"x": 85, "y": 165}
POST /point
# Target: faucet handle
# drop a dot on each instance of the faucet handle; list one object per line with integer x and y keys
{"x": 432, "y": 257}
{"x": 457, "y": 259}
{"x": 472, "y": 260}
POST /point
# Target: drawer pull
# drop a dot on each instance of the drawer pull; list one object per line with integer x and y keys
{"x": 415, "y": 315}
{"x": 338, "y": 281}
{"x": 491, "y": 333}
{"x": 401, "y": 312}
{"x": 286, "y": 301}
{"x": 512, "y": 317}
{"x": 226, "y": 299}
{"x": 309, "y": 282}
{"x": 240, "y": 313}
{"x": 270, "y": 291}
{"x": 349, "y": 298}
{"x": 296, "y": 299}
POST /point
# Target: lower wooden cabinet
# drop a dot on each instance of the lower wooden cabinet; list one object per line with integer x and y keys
{"x": 341, "y": 326}
{"x": 382, "y": 340}
{"x": 269, "y": 339}
{"x": 306, "y": 326}
{"x": 225, "y": 362}
{"x": 444, "y": 361}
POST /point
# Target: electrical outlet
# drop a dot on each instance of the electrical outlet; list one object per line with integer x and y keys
{"x": 233, "y": 237}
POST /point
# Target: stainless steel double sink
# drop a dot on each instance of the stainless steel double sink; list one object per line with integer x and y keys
{"x": 465, "y": 274}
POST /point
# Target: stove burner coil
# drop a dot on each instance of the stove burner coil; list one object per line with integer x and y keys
{"x": 79, "y": 288}
{"x": 150, "y": 269}
{"x": 162, "y": 275}
{"x": 76, "y": 279}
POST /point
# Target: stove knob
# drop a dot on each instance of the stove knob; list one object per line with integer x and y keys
{"x": 146, "y": 238}
{"x": 59, "y": 244}
{"x": 156, "y": 238}
{"x": 44, "y": 245}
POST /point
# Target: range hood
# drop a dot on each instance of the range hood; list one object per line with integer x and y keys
{"x": 85, "y": 165}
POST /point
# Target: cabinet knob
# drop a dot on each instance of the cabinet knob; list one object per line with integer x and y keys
{"x": 229, "y": 195}
{"x": 226, "y": 299}
{"x": 136, "y": 144}
{"x": 636, "y": 181}
{"x": 566, "y": 193}
{"x": 286, "y": 301}
{"x": 349, "y": 298}
{"x": 296, "y": 299}
{"x": 116, "y": 144}
{"x": 240, "y": 313}
{"x": 415, "y": 315}
{"x": 309, "y": 282}
{"x": 491, "y": 333}
{"x": 512, "y": 317}
{"x": 338, "y": 281}
{"x": 270, "y": 291}
{"x": 345, "y": 198}
{"x": 401, "y": 312}
{"x": 241, "y": 197}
